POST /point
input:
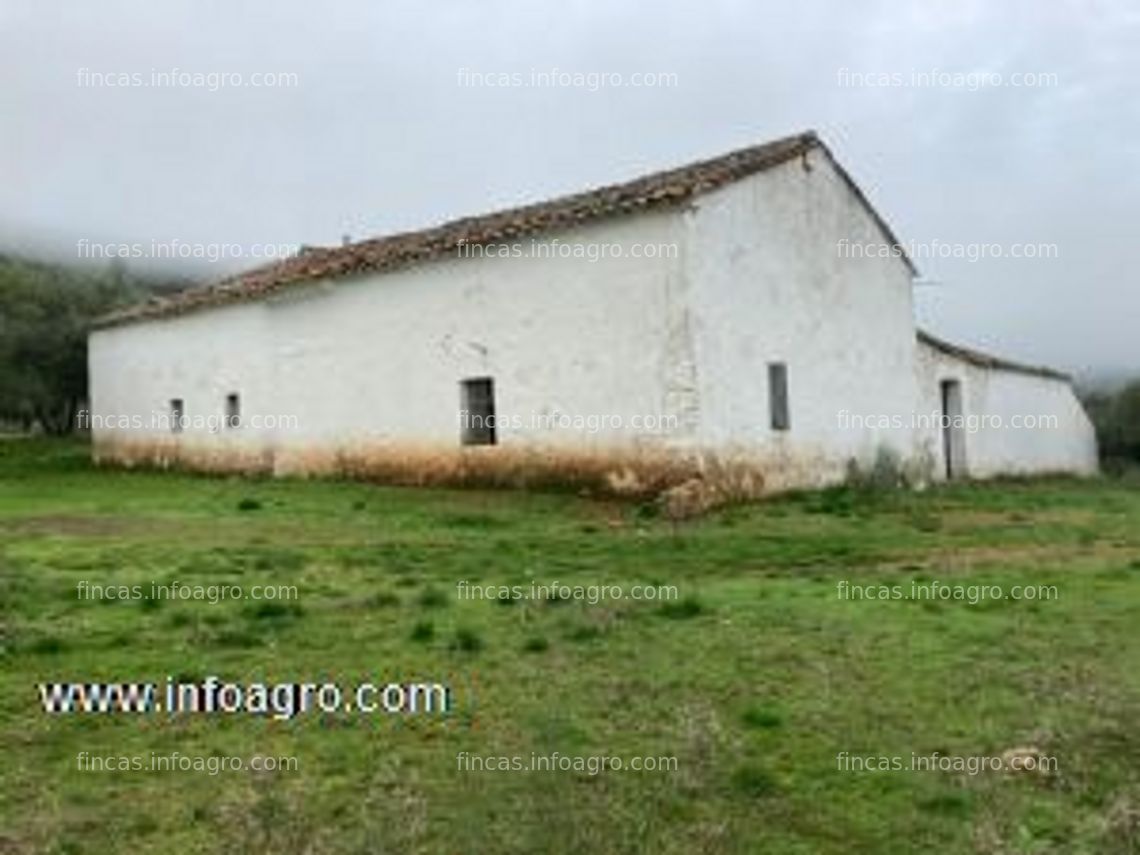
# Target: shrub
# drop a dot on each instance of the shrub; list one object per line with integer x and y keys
{"x": 753, "y": 781}
{"x": 835, "y": 501}
{"x": 885, "y": 473}
{"x": 274, "y": 611}
{"x": 237, "y": 638}
{"x": 384, "y": 599}
{"x": 761, "y": 717}
{"x": 584, "y": 632}
{"x": 467, "y": 640}
{"x": 684, "y": 609}
{"x": 432, "y": 598}
{"x": 537, "y": 644}
{"x": 48, "y": 645}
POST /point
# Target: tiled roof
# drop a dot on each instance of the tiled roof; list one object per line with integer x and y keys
{"x": 660, "y": 190}
{"x": 984, "y": 360}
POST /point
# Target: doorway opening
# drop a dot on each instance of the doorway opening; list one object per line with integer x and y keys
{"x": 953, "y": 434}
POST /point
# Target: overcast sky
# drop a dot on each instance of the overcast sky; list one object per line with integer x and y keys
{"x": 378, "y": 123}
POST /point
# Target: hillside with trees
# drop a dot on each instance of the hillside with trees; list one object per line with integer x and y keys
{"x": 46, "y": 312}
{"x": 1116, "y": 415}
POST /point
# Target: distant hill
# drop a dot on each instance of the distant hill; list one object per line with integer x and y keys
{"x": 140, "y": 284}
{"x": 46, "y": 310}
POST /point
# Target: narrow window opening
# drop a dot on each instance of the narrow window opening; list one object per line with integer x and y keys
{"x": 233, "y": 410}
{"x": 778, "y": 396}
{"x": 177, "y": 415}
{"x": 477, "y": 411}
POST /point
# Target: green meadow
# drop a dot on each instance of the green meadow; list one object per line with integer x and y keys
{"x": 755, "y": 685}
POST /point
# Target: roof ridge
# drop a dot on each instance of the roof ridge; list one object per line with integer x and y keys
{"x": 986, "y": 360}
{"x": 661, "y": 189}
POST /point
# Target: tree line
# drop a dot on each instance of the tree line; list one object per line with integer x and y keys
{"x": 1116, "y": 416}
{"x": 46, "y": 313}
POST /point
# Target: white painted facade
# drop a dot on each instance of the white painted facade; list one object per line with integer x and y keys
{"x": 642, "y": 358}
{"x": 1014, "y": 423}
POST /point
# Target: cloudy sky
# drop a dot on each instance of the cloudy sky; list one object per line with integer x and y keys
{"x": 985, "y": 127}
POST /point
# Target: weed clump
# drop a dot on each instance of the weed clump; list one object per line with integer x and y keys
{"x": 689, "y": 607}
{"x": 432, "y": 598}
{"x": 49, "y": 645}
{"x": 753, "y": 781}
{"x": 237, "y": 638}
{"x": 467, "y": 640}
{"x": 536, "y": 644}
{"x": 384, "y": 599}
{"x": 584, "y": 632}
{"x": 274, "y": 611}
{"x": 762, "y": 718}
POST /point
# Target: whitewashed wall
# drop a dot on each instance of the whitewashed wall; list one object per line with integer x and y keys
{"x": 136, "y": 370}
{"x": 379, "y": 358}
{"x": 1056, "y": 435}
{"x": 747, "y": 275}
{"x": 769, "y": 285}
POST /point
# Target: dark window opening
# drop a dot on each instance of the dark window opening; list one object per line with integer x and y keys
{"x": 778, "y": 396}
{"x": 477, "y": 411}
{"x": 177, "y": 415}
{"x": 233, "y": 410}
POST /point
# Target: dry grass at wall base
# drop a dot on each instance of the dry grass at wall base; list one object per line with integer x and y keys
{"x": 687, "y": 483}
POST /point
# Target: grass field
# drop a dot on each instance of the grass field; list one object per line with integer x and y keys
{"x": 755, "y": 678}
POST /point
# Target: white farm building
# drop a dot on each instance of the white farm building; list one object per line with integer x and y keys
{"x": 699, "y": 322}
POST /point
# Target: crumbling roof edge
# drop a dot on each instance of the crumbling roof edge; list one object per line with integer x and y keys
{"x": 664, "y": 189}
{"x": 657, "y": 190}
{"x": 985, "y": 360}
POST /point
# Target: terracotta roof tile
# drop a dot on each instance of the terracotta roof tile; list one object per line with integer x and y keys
{"x": 985, "y": 360}
{"x": 659, "y": 190}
